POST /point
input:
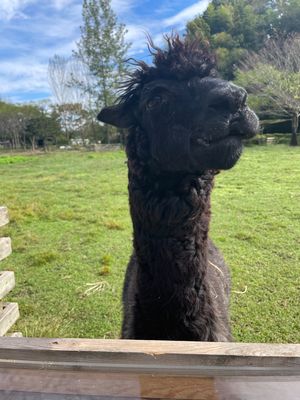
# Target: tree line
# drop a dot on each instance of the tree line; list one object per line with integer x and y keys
{"x": 24, "y": 126}
{"x": 256, "y": 42}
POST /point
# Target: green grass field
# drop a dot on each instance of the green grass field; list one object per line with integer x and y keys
{"x": 72, "y": 234}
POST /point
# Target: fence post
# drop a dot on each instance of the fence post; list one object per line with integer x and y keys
{"x": 9, "y": 312}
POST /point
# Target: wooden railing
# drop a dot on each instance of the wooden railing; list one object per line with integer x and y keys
{"x": 9, "y": 312}
{"x": 123, "y": 369}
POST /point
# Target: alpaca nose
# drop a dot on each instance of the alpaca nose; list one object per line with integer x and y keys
{"x": 227, "y": 96}
{"x": 239, "y": 96}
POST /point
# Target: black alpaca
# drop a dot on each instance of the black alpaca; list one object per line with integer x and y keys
{"x": 184, "y": 125}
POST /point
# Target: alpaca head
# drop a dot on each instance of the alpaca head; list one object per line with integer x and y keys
{"x": 190, "y": 120}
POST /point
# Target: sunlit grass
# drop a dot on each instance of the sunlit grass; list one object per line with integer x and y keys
{"x": 256, "y": 223}
{"x": 72, "y": 238}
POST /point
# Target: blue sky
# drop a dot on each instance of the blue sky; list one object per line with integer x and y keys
{"x": 32, "y": 31}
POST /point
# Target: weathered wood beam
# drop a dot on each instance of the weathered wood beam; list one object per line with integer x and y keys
{"x": 7, "y": 282}
{"x": 5, "y": 247}
{"x": 105, "y": 386}
{"x": 4, "y": 219}
{"x": 180, "y": 358}
{"x": 9, "y": 313}
{"x": 37, "y": 384}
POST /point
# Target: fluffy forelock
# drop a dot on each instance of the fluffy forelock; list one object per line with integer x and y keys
{"x": 180, "y": 60}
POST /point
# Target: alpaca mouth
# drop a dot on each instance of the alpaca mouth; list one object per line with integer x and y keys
{"x": 205, "y": 142}
{"x": 242, "y": 127}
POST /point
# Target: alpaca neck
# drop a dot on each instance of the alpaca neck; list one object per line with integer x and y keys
{"x": 166, "y": 214}
{"x": 170, "y": 217}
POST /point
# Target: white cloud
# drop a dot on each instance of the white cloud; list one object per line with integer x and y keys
{"x": 13, "y": 8}
{"x": 137, "y": 36}
{"x": 137, "y": 33}
{"x": 60, "y": 4}
{"x": 122, "y": 6}
{"x": 54, "y": 29}
{"x": 61, "y": 49}
{"x": 10, "y": 9}
{"x": 22, "y": 75}
{"x": 179, "y": 20}
{"x": 24, "y": 70}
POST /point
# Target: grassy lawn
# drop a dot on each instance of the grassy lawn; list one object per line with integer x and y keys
{"x": 71, "y": 235}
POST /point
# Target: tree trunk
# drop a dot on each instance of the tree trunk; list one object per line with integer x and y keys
{"x": 295, "y": 124}
{"x": 122, "y": 137}
{"x": 107, "y": 129}
{"x": 94, "y": 135}
{"x": 106, "y": 104}
{"x": 33, "y": 143}
{"x": 24, "y": 141}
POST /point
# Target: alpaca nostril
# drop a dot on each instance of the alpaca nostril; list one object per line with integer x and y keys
{"x": 239, "y": 96}
{"x": 244, "y": 100}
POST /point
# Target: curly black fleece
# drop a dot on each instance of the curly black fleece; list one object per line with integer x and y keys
{"x": 173, "y": 290}
{"x": 177, "y": 284}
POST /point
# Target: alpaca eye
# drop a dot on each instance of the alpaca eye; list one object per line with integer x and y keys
{"x": 154, "y": 102}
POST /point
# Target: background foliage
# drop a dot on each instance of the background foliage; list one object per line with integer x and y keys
{"x": 234, "y": 27}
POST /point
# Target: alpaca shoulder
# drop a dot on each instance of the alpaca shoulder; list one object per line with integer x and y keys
{"x": 128, "y": 298}
{"x": 219, "y": 284}
{"x": 218, "y": 270}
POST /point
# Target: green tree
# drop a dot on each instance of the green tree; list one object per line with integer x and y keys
{"x": 287, "y": 14}
{"x": 12, "y": 124}
{"x": 40, "y": 126}
{"x": 21, "y": 125}
{"x": 219, "y": 18}
{"x": 102, "y": 48}
{"x": 272, "y": 76}
{"x": 289, "y": 22}
{"x": 198, "y": 29}
{"x": 235, "y": 27}
{"x": 230, "y": 26}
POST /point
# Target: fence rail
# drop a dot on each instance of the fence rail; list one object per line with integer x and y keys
{"x": 152, "y": 356}
{"x": 9, "y": 312}
{"x": 124, "y": 369}
{"x": 4, "y": 219}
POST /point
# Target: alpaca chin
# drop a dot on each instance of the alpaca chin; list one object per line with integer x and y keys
{"x": 222, "y": 155}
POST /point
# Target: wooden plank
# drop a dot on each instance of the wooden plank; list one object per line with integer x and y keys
{"x": 179, "y": 358}
{"x": 7, "y": 282}
{"x": 109, "y": 385}
{"x": 8, "y": 316}
{"x": 144, "y": 386}
{"x": 5, "y": 247}
{"x": 4, "y": 219}
{"x": 258, "y": 388}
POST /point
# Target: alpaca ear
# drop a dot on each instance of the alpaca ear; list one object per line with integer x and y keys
{"x": 118, "y": 115}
